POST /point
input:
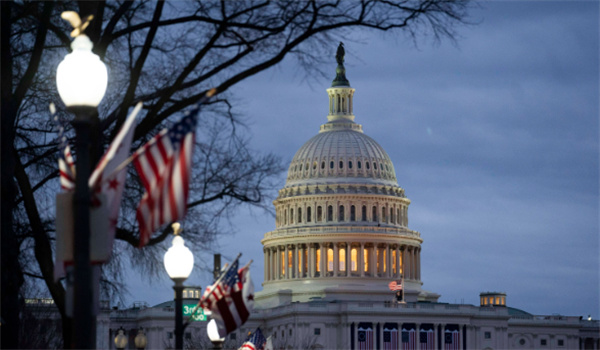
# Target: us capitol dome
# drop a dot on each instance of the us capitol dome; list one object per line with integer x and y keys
{"x": 341, "y": 218}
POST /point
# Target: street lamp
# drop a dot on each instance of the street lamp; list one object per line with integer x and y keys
{"x": 213, "y": 334}
{"x": 121, "y": 339}
{"x": 81, "y": 79}
{"x": 179, "y": 262}
{"x": 140, "y": 340}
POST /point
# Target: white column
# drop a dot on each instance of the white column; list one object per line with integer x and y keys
{"x": 266, "y": 264}
{"x": 278, "y": 263}
{"x": 361, "y": 259}
{"x": 286, "y": 261}
{"x": 418, "y": 335}
{"x": 323, "y": 260}
{"x": 398, "y": 260}
{"x": 348, "y": 261}
{"x": 336, "y": 260}
{"x": 311, "y": 260}
{"x": 388, "y": 261}
{"x": 373, "y": 260}
{"x": 407, "y": 261}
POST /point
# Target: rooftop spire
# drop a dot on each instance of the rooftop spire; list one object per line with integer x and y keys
{"x": 340, "y": 71}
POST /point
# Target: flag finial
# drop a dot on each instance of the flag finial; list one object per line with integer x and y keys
{"x": 176, "y": 228}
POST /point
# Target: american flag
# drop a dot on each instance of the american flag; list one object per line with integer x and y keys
{"x": 365, "y": 338}
{"x": 256, "y": 341}
{"x": 409, "y": 340}
{"x": 164, "y": 166}
{"x": 427, "y": 339}
{"x": 395, "y": 286}
{"x": 230, "y": 299}
{"x": 66, "y": 165}
{"x": 390, "y": 339}
{"x": 451, "y": 340}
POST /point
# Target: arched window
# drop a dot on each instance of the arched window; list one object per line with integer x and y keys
{"x": 349, "y": 164}
{"x": 323, "y": 165}
{"x": 364, "y": 213}
{"x": 300, "y": 167}
{"x": 368, "y": 166}
{"x": 341, "y": 217}
{"x": 391, "y": 215}
{"x": 330, "y": 213}
{"x": 306, "y": 167}
{"x": 354, "y": 260}
{"x": 308, "y": 214}
{"x": 342, "y": 259}
{"x": 291, "y": 215}
{"x": 331, "y": 165}
{"x": 374, "y": 166}
{"x": 319, "y": 214}
{"x": 383, "y": 214}
{"x": 299, "y": 215}
{"x": 285, "y": 217}
{"x": 398, "y": 217}
{"x": 341, "y": 164}
{"x": 374, "y": 213}
{"x": 352, "y": 213}
{"x": 329, "y": 259}
{"x": 359, "y": 165}
{"x": 314, "y": 165}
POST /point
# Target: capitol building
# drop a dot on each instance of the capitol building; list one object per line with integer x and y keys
{"x": 341, "y": 237}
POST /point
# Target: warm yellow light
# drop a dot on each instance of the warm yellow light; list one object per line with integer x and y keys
{"x": 342, "y": 256}
{"x": 354, "y": 257}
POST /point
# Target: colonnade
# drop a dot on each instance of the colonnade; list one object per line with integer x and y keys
{"x": 439, "y": 332}
{"x": 341, "y": 259}
{"x": 326, "y": 212}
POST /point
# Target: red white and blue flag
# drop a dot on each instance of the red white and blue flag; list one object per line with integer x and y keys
{"x": 390, "y": 339}
{"x": 66, "y": 165}
{"x": 230, "y": 299}
{"x": 426, "y": 340}
{"x": 409, "y": 340}
{"x": 451, "y": 340}
{"x": 365, "y": 338}
{"x": 256, "y": 341}
{"x": 164, "y": 164}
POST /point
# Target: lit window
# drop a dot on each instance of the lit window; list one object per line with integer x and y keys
{"x": 329, "y": 259}
{"x": 366, "y": 255}
{"x": 290, "y": 260}
{"x": 282, "y": 258}
{"x": 342, "y": 259}
{"x": 354, "y": 257}
{"x": 318, "y": 255}
{"x": 394, "y": 267}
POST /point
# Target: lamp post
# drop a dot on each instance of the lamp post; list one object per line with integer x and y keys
{"x": 81, "y": 79}
{"x": 121, "y": 339}
{"x": 140, "y": 340}
{"x": 213, "y": 335}
{"x": 179, "y": 262}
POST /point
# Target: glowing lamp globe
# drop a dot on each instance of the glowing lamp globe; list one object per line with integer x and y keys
{"x": 179, "y": 260}
{"x": 121, "y": 339}
{"x": 81, "y": 78}
{"x": 213, "y": 332}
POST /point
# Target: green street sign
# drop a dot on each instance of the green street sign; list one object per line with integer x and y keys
{"x": 198, "y": 316}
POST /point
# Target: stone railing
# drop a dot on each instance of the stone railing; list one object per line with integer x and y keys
{"x": 284, "y": 232}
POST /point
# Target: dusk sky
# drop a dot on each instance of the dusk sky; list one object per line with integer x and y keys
{"x": 495, "y": 141}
